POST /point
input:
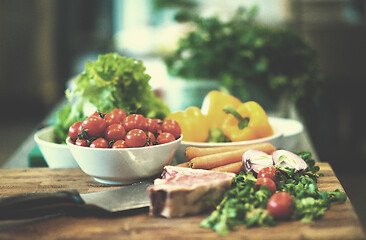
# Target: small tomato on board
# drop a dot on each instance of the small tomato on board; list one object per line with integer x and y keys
{"x": 99, "y": 143}
{"x": 165, "y": 137}
{"x": 268, "y": 172}
{"x": 136, "y": 138}
{"x": 265, "y": 182}
{"x": 281, "y": 205}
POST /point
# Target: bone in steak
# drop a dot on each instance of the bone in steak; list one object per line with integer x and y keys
{"x": 185, "y": 191}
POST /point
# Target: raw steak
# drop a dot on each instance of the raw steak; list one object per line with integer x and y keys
{"x": 185, "y": 191}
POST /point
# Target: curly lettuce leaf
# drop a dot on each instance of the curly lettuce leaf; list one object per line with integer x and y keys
{"x": 112, "y": 81}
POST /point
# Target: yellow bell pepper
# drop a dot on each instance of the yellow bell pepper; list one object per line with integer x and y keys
{"x": 213, "y": 105}
{"x": 193, "y": 123}
{"x": 249, "y": 121}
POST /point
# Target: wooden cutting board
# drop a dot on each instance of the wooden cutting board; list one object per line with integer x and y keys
{"x": 340, "y": 222}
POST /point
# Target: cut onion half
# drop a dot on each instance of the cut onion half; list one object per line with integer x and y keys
{"x": 284, "y": 158}
{"x": 255, "y": 160}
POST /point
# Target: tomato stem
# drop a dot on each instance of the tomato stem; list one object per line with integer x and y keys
{"x": 101, "y": 114}
{"x": 83, "y": 134}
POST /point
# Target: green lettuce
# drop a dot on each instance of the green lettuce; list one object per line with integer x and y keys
{"x": 112, "y": 81}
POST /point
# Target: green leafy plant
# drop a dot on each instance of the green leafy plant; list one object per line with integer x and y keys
{"x": 112, "y": 81}
{"x": 243, "y": 205}
{"x": 241, "y": 53}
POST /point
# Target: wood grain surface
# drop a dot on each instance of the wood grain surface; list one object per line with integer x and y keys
{"x": 340, "y": 222}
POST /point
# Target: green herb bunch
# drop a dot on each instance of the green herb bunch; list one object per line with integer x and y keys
{"x": 242, "y": 205}
{"x": 242, "y": 53}
{"x": 310, "y": 202}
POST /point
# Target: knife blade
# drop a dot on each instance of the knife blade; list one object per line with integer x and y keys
{"x": 32, "y": 205}
{"x": 120, "y": 199}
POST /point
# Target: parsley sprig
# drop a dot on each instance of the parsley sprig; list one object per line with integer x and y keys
{"x": 242, "y": 205}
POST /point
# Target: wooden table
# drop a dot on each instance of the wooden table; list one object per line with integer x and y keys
{"x": 340, "y": 222}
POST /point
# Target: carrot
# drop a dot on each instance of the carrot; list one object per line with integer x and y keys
{"x": 216, "y": 160}
{"x": 193, "y": 152}
{"x": 184, "y": 164}
{"x": 235, "y": 167}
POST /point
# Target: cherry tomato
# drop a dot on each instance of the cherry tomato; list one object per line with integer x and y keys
{"x": 99, "y": 143}
{"x": 116, "y": 116}
{"x": 82, "y": 142}
{"x": 119, "y": 113}
{"x": 74, "y": 130}
{"x": 171, "y": 126}
{"x": 151, "y": 137}
{"x": 281, "y": 205}
{"x": 153, "y": 125}
{"x": 165, "y": 137}
{"x": 114, "y": 132}
{"x": 134, "y": 121}
{"x": 136, "y": 138}
{"x": 265, "y": 182}
{"x": 94, "y": 126}
{"x": 268, "y": 172}
{"x": 98, "y": 114}
{"x": 120, "y": 144}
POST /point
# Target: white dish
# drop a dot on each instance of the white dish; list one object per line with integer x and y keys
{"x": 286, "y": 134}
{"x": 55, "y": 155}
{"x": 124, "y": 165}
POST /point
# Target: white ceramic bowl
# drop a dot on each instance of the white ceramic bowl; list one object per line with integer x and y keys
{"x": 286, "y": 135}
{"x": 55, "y": 155}
{"x": 125, "y": 165}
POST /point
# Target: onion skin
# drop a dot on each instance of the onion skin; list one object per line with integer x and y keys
{"x": 255, "y": 160}
{"x": 284, "y": 158}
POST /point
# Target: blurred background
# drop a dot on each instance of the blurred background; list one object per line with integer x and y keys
{"x": 43, "y": 44}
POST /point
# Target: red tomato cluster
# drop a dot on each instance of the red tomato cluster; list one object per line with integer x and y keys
{"x": 280, "y": 205}
{"x": 117, "y": 130}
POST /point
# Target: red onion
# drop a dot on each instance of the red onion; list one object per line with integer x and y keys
{"x": 284, "y": 158}
{"x": 255, "y": 160}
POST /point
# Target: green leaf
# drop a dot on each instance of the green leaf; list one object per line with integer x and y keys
{"x": 250, "y": 53}
{"x": 112, "y": 81}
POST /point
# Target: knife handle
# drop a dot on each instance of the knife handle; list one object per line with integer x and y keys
{"x": 32, "y": 205}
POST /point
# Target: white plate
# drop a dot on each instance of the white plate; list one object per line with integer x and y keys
{"x": 286, "y": 134}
